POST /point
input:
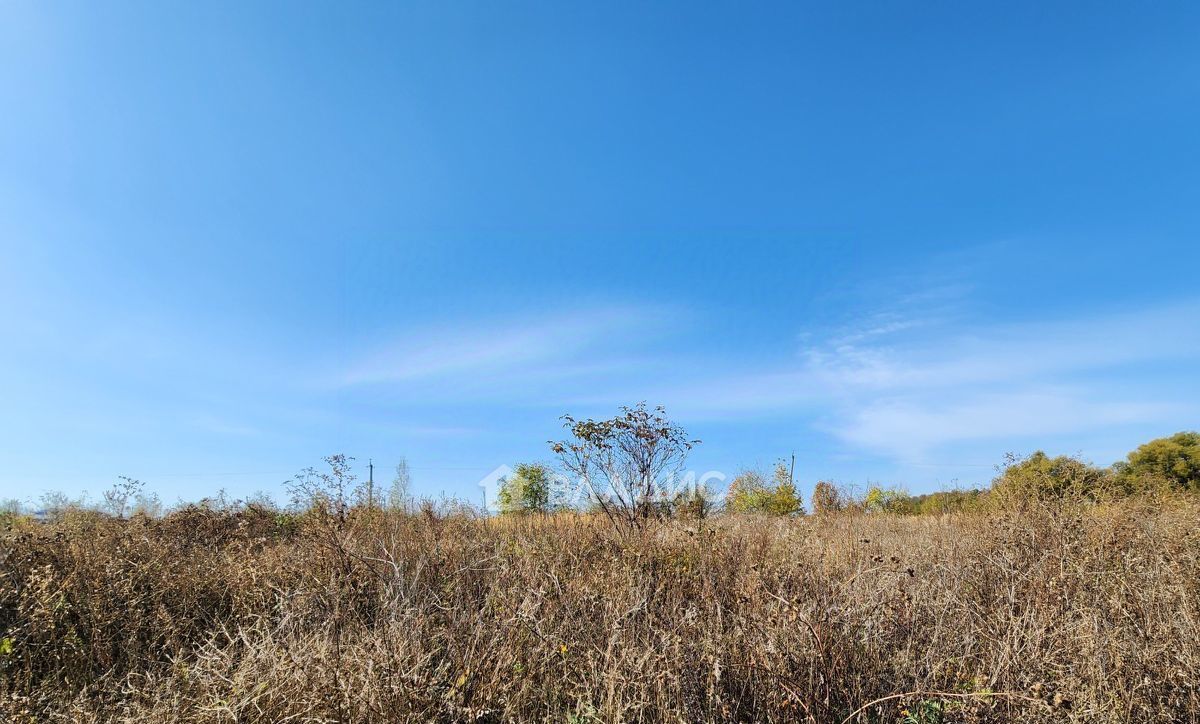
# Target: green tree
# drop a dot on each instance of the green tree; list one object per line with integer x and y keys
{"x": 1172, "y": 461}
{"x": 785, "y": 500}
{"x": 1041, "y": 477}
{"x": 751, "y": 493}
{"x": 945, "y": 501}
{"x": 747, "y": 493}
{"x": 886, "y": 500}
{"x": 527, "y": 490}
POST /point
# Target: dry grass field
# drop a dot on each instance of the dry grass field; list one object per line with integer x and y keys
{"x": 1049, "y": 614}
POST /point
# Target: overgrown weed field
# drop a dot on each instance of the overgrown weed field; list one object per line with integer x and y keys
{"x": 1051, "y": 614}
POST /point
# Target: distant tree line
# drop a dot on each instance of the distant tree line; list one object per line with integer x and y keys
{"x": 631, "y": 451}
{"x": 1162, "y": 466}
{"x": 627, "y": 468}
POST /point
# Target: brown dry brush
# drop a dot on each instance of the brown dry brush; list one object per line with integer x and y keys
{"x": 1052, "y": 614}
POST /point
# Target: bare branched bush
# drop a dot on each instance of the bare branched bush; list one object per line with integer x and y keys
{"x": 332, "y": 492}
{"x": 118, "y": 498}
{"x": 627, "y": 463}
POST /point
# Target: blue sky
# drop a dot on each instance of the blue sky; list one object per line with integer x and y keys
{"x": 897, "y": 239}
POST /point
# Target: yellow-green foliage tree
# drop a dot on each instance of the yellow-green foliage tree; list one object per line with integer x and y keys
{"x": 746, "y": 493}
{"x": 887, "y": 500}
{"x": 1040, "y": 477}
{"x": 527, "y": 490}
{"x": 784, "y": 500}
{"x": 1173, "y": 462}
{"x": 945, "y": 501}
{"x": 751, "y": 493}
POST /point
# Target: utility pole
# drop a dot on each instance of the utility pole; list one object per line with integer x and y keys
{"x": 792, "y": 472}
{"x": 370, "y": 483}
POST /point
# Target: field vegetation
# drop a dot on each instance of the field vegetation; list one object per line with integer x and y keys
{"x": 1064, "y": 592}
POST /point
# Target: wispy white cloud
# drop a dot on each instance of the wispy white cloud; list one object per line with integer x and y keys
{"x": 906, "y": 384}
{"x": 1016, "y": 351}
{"x": 905, "y": 387}
{"x": 909, "y": 429}
{"x": 537, "y": 347}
